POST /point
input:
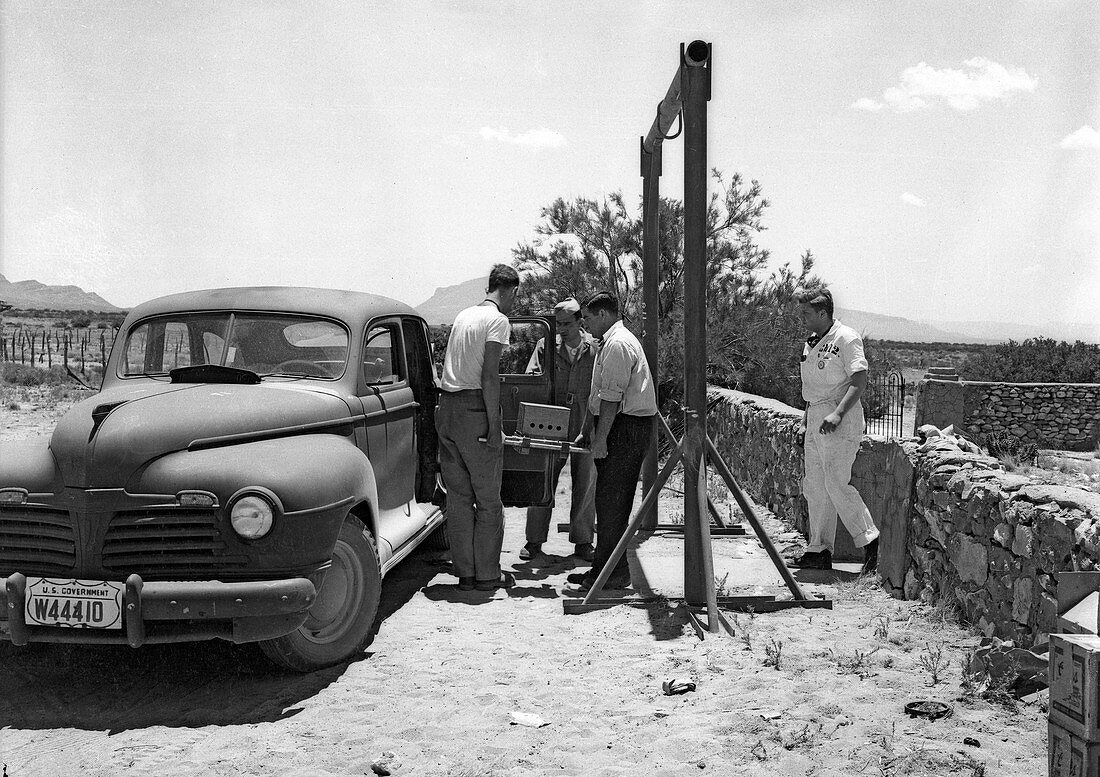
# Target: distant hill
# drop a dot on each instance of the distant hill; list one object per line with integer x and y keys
{"x": 32, "y": 294}
{"x": 447, "y": 301}
{"x": 883, "y": 327}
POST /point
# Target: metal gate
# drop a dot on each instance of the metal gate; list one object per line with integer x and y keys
{"x": 884, "y": 403}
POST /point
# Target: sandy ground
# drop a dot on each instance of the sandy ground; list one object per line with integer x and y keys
{"x": 447, "y": 671}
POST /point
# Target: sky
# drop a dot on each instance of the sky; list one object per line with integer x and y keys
{"x": 940, "y": 159}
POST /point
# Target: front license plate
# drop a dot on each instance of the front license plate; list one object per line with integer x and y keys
{"x": 78, "y": 604}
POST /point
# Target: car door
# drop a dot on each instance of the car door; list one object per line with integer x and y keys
{"x": 389, "y": 432}
{"x": 528, "y": 472}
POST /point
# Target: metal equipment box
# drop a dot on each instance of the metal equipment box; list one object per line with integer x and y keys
{"x": 547, "y": 422}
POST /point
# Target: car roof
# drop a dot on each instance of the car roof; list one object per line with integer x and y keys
{"x": 354, "y": 307}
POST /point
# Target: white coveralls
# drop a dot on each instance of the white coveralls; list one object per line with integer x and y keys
{"x": 826, "y": 374}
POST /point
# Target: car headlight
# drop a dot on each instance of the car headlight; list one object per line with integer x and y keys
{"x": 252, "y": 515}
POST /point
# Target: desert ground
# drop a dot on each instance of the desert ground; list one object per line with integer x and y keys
{"x": 459, "y": 684}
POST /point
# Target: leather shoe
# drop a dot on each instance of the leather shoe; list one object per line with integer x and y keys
{"x": 584, "y": 551}
{"x": 466, "y": 583}
{"x": 814, "y": 560}
{"x": 578, "y": 578}
{"x": 870, "y": 556}
{"x": 504, "y": 581}
{"x": 530, "y": 550}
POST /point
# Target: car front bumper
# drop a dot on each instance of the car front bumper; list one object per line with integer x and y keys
{"x": 159, "y": 612}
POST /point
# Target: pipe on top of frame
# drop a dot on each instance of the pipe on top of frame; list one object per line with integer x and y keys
{"x": 696, "y": 54}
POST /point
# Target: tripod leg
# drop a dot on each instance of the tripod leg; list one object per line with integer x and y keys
{"x": 724, "y": 470}
{"x": 636, "y": 521}
{"x": 703, "y": 522}
{"x": 667, "y": 432}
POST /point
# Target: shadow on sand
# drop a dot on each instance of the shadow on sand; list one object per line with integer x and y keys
{"x": 116, "y": 688}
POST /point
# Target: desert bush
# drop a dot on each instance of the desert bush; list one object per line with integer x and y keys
{"x": 15, "y": 374}
{"x": 753, "y": 333}
{"x": 1036, "y": 360}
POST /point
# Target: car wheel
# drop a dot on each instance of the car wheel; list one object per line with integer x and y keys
{"x": 341, "y": 618}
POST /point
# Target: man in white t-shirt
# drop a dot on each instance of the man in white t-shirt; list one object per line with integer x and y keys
{"x": 834, "y": 377}
{"x": 469, "y": 409}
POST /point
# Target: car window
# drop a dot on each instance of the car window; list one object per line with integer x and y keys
{"x": 267, "y": 344}
{"x": 516, "y": 356}
{"x": 382, "y": 362}
{"x": 165, "y": 344}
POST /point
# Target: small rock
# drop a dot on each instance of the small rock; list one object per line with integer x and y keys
{"x": 971, "y": 741}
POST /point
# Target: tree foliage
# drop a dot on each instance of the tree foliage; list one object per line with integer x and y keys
{"x": 1036, "y": 360}
{"x": 753, "y": 333}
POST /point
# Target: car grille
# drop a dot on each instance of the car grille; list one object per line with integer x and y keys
{"x": 166, "y": 544}
{"x": 39, "y": 541}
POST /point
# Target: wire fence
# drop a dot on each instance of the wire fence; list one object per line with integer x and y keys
{"x": 44, "y": 346}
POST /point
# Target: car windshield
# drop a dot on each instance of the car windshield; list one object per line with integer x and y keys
{"x": 267, "y": 344}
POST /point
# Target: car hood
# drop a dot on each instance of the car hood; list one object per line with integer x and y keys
{"x": 104, "y": 440}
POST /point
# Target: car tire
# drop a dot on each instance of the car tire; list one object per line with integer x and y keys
{"x": 341, "y": 620}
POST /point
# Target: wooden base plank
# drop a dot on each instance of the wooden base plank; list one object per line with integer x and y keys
{"x": 578, "y": 607}
{"x": 785, "y": 604}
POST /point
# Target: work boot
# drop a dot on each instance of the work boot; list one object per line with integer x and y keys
{"x": 815, "y": 559}
{"x": 584, "y": 551}
{"x": 530, "y": 550}
{"x": 870, "y": 556}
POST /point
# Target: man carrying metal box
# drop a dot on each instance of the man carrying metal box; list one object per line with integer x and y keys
{"x": 574, "y": 356}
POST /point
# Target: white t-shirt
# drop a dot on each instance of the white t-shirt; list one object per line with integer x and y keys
{"x": 466, "y": 345}
{"x": 827, "y": 368}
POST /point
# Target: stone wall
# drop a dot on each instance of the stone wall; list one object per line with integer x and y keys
{"x": 993, "y": 540}
{"x": 1063, "y": 416}
{"x": 955, "y": 526}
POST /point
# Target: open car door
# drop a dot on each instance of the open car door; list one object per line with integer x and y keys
{"x": 528, "y": 472}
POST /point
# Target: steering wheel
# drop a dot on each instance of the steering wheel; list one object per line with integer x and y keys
{"x": 301, "y": 366}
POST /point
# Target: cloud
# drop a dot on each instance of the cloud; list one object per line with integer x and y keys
{"x": 1082, "y": 139}
{"x": 922, "y": 86}
{"x": 535, "y": 138}
{"x": 912, "y": 199}
{"x": 867, "y": 104}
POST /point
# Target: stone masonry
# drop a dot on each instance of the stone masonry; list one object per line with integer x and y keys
{"x": 955, "y": 525}
{"x": 1064, "y": 416}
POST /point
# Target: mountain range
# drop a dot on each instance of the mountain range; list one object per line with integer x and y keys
{"x": 35, "y": 295}
{"x": 447, "y": 301}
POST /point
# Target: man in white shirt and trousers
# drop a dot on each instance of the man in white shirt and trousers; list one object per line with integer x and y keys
{"x": 469, "y": 409}
{"x": 834, "y": 377}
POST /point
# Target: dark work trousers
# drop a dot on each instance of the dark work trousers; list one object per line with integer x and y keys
{"x": 472, "y": 473}
{"x": 616, "y": 482}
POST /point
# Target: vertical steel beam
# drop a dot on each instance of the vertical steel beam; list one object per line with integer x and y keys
{"x": 651, "y": 278}
{"x": 695, "y": 92}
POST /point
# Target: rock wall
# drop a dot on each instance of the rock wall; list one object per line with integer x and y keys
{"x": 955, "y": 526}
{"x": 992, "y": 541}
{"x": 1064, "y": 416}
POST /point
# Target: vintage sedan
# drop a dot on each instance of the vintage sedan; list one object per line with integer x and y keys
{"x": 256, "y": 460}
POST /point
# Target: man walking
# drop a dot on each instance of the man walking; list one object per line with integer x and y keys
{"x": 574, "y": 357}
{"x": 469, "y": 408}
{"x": 619, "y": 423}
{"x": 834, "y": 376}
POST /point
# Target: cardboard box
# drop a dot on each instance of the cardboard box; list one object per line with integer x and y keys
{"x": 1075, "y": 684}
{"x": 1069, "y": 756}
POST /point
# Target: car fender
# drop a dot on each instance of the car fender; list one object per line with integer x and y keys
{"x": 29, "y": 464}
{"x": 307, "y": 473}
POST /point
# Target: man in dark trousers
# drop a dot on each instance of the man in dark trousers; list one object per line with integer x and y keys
{"x": 574, "y": 357}
{"x": 619, "y": 425}
{"x": 469, "y": 409}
